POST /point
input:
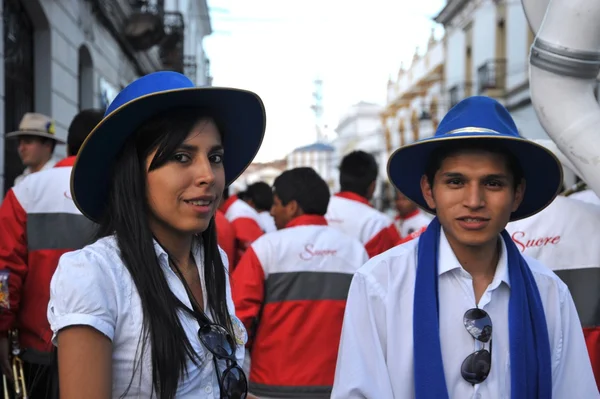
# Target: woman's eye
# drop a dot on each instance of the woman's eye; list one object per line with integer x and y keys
{"x": 181, "y": 158}
{"x": 216, "y": 158}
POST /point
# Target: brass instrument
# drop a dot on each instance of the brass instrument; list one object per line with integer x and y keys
{"x": 19, "y": 388}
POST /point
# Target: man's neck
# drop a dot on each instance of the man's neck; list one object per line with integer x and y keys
{"x": 479, "y": 261}
{"x": 38, "y": 167}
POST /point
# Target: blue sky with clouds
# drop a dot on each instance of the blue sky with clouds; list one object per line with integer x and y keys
{"x": 277, "y": 48}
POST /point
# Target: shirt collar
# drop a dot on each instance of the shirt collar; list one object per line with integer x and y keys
{"x": 307, "y": 220}
{"x": 353, "y": 196}
{"x": 447, "y": 261}
{"x": 163, "y": 257}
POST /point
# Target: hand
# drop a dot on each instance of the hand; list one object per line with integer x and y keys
{"x": 5, "y": 357}
{"x": 250, "y": 396}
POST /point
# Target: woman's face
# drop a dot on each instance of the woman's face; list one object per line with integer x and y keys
{"x": 184, "y": 193}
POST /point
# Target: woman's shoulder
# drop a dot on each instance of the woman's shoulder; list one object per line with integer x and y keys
{"x": 99, "y": 259}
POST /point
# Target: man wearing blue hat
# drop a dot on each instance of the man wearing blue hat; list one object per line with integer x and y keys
{"x": 459, "y": 312}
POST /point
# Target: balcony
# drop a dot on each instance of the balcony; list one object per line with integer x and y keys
{"x": 113, "y": 16}
{"x": 171, "y": 47}
{"x": 459, "y": 92}
{"x": 190, "y": 67}
{"x": 491, "y": 78}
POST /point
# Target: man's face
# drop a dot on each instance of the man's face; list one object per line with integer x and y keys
{"x": 473, "y": 195}
{"x": 282, "y": 214}
{"x": 34, "y": 152}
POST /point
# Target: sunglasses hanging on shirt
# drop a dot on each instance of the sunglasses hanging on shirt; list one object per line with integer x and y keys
{"x": 233, "y": 383}
{"x": 476, "y": 367}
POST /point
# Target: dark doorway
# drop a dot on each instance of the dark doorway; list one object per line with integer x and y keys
{"x": 18, "y": 80}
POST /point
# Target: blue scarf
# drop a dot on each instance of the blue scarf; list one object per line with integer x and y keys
{"x": 530, "y": 365}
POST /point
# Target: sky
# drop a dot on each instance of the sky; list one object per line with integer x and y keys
{"x": 278, "y": 48}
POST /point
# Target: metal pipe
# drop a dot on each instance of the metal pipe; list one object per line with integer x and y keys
{"x": 565, "y": 61}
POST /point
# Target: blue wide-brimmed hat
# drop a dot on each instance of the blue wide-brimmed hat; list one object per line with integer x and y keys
{"x": 240, "y": 115}
{"x": 480, "y": 118}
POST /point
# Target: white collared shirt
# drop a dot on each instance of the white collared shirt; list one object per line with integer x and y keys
{"x": 48, "y": 165}
{"x": 375, "y": 359}
{"x": 92, "y": 287}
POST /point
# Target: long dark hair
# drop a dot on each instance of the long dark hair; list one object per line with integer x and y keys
{"x": 126, "y": 217}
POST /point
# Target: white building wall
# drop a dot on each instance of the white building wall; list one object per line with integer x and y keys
{"x": 63, "y": 27}
{"x": 454, "y": 67}
{"x": 484, "y": 38}
{"x": 517, "y": 49}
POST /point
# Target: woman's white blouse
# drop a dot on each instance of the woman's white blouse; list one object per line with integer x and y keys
{"x": 92, "y": 287}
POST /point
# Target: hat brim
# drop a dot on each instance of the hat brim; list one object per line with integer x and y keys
{"x": 20, "y": 133}
{"x": 240, "y": 115}
{"x": 542, "y": 170}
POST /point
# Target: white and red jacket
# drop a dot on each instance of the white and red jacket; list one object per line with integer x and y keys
{"x": 353, "y": 215}
{"x": 565, "y": 237}
{"x": 411, "y": 223}
{"x": 38, "y": 223}
{"x": 246, "y": 224}
{"x": 290, "y": 292}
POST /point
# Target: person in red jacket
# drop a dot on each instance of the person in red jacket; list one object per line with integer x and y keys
{"x": 225, "y": 236}
{"x": 245, "y": 222}
{"x": 38, "y": 223}
{"x": 350, "y": 210}
{"x": 290, "y": 291}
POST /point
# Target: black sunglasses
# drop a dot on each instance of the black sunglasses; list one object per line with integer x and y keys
{"x": 476, "y": 367}
{"x": 232, "y": 382}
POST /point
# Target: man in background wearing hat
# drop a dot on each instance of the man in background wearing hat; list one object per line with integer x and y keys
{"x": 38, "y": 223}
{"x": 37, "y": 139}
{"x": 459, "y": 312}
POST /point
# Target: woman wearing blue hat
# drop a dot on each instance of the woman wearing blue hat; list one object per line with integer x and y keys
{"x": 459, "y": 312}
{"x": 146, "y": 309}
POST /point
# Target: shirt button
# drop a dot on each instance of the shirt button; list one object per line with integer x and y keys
{"x": 208, "y": 389}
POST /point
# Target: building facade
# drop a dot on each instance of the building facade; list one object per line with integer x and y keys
{"x": 415, "y": 99}
{"x": 487, "y": 53}
{"x": 415, "y": 102}
{"x": 360, "y": 128}
{"x": 258, "y": 172}
{"x": 319, "y": 156}
{"x": 61, "y": 56}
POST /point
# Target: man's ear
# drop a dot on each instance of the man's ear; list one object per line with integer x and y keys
{"x": 519, "y": 194}
{"x": 293, "y": 208}
{"x": 427, "y": 191}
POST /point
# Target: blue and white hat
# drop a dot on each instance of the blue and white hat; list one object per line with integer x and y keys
{"x": 240, "y": 115}
{"x": 480, "y": 118}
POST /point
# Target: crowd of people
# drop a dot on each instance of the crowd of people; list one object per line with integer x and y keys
{"x": 129, "y": 270}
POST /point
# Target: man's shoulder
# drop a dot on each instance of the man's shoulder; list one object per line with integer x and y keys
{"x": 545, "y": 278}
{"x": 393, "y": 268}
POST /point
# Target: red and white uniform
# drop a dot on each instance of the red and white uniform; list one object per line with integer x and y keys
{"x": 225, "y": 236}
{"x": 290, "y": 292}
{"x": 38, "y": 223}
{"x": 267, "y": 223}
{"x": 411, "y": 223}
{"x": 565, "y": 237}
{"x": 586, "y": 196}
{"x": 245, "y": 222}
{"x": 353, "y": 215}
